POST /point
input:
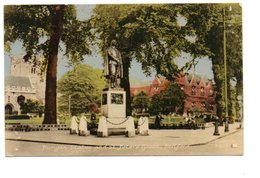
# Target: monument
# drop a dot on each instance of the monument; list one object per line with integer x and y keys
{"x": 113, "y": 106}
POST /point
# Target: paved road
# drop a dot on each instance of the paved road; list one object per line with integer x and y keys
{"x": 161, "y": 142}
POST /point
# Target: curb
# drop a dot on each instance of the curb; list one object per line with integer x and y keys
{"x": 119, "y": 146}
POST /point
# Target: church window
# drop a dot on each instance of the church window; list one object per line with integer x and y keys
{"x": 33, "y": 70}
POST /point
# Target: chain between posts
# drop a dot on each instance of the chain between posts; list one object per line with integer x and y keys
{"x": 144, "y": 119}
{"x": 117, "y": 123}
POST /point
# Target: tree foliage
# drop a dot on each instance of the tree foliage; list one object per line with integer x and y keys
{"x": 84, "y": 85}
{"x": 214, "y": 41}
{"x": 168, "y": 101}
{"x": 32, "y": 106}
{"x": 150, "y": 33}
{"x": 41, "y": 28}
{"x": 141, "y": 102}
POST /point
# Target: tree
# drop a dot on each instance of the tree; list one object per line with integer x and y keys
{"x": 169, "y": 100}
{"x": 32, "y": 106}
{"x": 207, "y": 22}
{"x": 41, "y": 28}
{"x": 84, "y": 85}
{"x": 214, "y": 41}
{"x": 151, "y": 34}
{"x": 141, "y": 102}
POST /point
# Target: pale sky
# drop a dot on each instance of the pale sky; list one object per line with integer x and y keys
{"x": 204, "y": 66}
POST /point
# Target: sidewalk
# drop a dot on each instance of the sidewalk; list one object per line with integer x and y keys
{"x": 157, "y": 138}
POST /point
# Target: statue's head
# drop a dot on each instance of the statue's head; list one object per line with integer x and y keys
{"x": 113, "y": 43}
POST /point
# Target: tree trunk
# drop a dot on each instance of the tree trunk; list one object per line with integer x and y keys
{"x": 50, "y": 111}
{"x": 126, "y": 85}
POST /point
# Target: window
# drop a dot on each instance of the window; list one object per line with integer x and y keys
{"x": 193, "y": 104}
{"x": 8, "y": 99}
{"x": 203, "y": 104}
{"x": 155, "y": 88}
{"x": 20, "y": 99}
{"x": 202, "y": 92}
{"x": 193, "y": 90}
{"x": 33, "y": 70}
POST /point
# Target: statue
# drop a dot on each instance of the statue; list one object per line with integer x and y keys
{"x": 113, "y": 66}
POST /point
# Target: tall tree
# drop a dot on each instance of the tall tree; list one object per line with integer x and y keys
{"x": 151, "y": 34}
{"x": 214, "y": 41}
{"x": 83, "y": 85}
{"x": 207, "y": 21}
{"x": 41, "y": 28}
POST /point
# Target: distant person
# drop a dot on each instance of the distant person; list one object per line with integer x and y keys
{"x": 191, "y": 121}
{"x": 93, "y": 120}
{"x": 158, "y": 120}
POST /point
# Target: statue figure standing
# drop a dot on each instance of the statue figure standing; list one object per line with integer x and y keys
{"x": 113, "y": 70}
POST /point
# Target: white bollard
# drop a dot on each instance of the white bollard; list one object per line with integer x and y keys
{"x": 74, "y": 129}
{"x": 130, "y": 127}
{"x": 102, "y": 127}
{"x": 143, "y": 126}
{"x": 83, "y": 127}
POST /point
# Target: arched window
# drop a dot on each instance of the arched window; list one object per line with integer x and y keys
{"x": 8, "y": 109}
{"x": 20, "y": 99}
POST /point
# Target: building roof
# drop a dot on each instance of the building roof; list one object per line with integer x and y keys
{"x": 17, "y": 81}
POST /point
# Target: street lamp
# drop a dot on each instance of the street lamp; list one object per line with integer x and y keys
{"x": 225, "y": 70}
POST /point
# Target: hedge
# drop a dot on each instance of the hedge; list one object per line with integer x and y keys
{"x": 16, "y": 117}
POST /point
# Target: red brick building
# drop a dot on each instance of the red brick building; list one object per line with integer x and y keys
{"x": 199, "y": 92}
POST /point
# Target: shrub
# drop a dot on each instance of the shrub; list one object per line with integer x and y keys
{"x": 16, "y": 117}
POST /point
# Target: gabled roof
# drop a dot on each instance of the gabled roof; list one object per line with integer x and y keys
{"x": 17, "y": 81}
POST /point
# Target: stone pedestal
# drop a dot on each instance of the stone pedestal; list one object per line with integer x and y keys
{"x": 114, "y": 114}
{"x": 114, "y": 103}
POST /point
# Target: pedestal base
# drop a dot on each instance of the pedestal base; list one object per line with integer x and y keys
{"x": 84, "y": 133}
{"x": 116, "y": 126}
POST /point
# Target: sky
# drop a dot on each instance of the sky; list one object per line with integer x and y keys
{"x": 204, "y": 66}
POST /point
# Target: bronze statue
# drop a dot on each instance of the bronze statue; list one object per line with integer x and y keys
{"x": 113, "y": 70}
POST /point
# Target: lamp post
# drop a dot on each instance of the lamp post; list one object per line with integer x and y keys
{"x": 225, "y": 72}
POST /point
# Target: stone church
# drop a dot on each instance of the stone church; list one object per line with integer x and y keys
{"x": 23, "y": 82}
